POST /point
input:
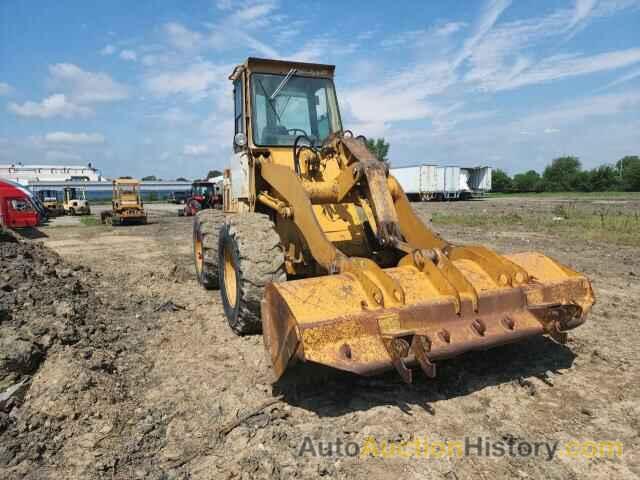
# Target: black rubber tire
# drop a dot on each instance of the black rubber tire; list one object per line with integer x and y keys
{"x": 206, "y": 225}
{"x": 258, "y": 259}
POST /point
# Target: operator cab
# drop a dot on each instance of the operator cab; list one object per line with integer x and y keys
{"x": 286, "y": 101}
{"x": 73, "y": 193}
{"x": 127, "y": 192}
{"x": 202, "y": 189}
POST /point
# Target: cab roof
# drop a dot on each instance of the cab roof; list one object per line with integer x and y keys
{"x": 126, "y": 181}
{"x": 282, "y": 67}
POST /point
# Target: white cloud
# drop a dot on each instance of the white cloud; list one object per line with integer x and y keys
{"x": 403, "y": 96}
{"x": 69, "y": 138}
{"x": 195, "y": 80}
{"x": 153, "y": 59}
{"x": 54, "y": 106}
{"x": 252, "y": 14}
{"x": 233, "y": 31}
{"x": 565, "y": 66}
{"x": 256, "y": 45}
{"x": 86, "y": 87}
{"x": 487, "y": 20}
{"x": 174, "y": 116}
{"x": 128, "y": 55}
{"x": 181, "y": 37}
{"x": 108, "y": 50}
{"x": 623, "y": 79}
{"x": 532, "y": 141}
{"x": 287, "y": 31}
{"x": 195, "y": 150}
{"x": 5, "y": 89}
{"x": 408, "y": 37}
{"x": 505, "y": 57}
{"x": 449, "y": 28}
{"x": 577, "y": 111}
{"x": 432, "y": 37}
{"x": 582, "y": 10}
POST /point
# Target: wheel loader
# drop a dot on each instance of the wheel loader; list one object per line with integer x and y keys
{"x": 318, "y": 248}
{"x": 126, "y": 204}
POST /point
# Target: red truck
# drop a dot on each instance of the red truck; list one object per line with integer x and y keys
{"x": 17, "y": 207}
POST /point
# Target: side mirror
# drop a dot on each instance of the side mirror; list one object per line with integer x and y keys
{"x": 240, "y": 139}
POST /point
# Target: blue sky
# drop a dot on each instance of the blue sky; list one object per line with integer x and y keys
{"x": 140, "y": 88}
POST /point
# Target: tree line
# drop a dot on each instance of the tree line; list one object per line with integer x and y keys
{"x": 565, "y": 174}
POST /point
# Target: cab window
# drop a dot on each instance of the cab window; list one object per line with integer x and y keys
{"x": 21, "y": 205}
{"x": 238, "y": 106}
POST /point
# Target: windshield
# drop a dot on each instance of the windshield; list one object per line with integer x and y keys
{"x": 202, "y": 189}
{"x": 74, "y": 194}
{"x": 129, "y": 189}
{"x": 48, "y": 195}
{"x": 302, "y": 106}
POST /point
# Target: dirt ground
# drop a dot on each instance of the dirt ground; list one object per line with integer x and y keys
{"x": 152, "y": 381}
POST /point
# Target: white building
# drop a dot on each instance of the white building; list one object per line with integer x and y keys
{"x": 25, "y": 174}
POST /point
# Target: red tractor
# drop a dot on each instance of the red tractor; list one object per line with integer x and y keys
{"x": 204, "y": 194}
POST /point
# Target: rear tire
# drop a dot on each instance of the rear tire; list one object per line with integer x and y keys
{"x": 206, "y": 229}
{"x": 250, "y": 256}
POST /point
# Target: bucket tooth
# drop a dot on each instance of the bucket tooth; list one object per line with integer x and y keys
{"x": 420, "y": 346}
{"x": 398, "y": 348}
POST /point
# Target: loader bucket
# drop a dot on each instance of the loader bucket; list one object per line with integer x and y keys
{"x": 449, "y": 307}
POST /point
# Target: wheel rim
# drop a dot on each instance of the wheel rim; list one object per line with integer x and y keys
{"x": 197, "y": 248}
{"x": 230, "y": 280}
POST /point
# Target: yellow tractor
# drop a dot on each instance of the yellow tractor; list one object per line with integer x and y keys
{"x": 51, "y": 201}
{"x": 318, "y": 248}
{"x": 126, "y": 204}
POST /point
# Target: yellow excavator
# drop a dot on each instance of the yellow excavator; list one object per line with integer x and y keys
{"x": 318, "y": 248}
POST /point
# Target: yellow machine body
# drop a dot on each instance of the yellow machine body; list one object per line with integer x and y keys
{"x": 370, "y": 287}
{"x": 126, "y": 203}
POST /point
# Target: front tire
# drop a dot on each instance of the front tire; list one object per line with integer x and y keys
{"x": 206, "y": 229}
{"x": 250, "y": 256}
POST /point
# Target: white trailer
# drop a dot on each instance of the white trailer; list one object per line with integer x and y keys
{"x": 451, "y": 182}
{"x": 429, "y": 182}
{"x": 409, "y": 178}
{"x": 480, "y": 179}
{"x": 433, "y": 182}
{"x": 419, "y": 182}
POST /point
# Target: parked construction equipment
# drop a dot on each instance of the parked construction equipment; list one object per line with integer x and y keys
{"x": 74, "y": 201}
{"x": 126, "y": 204}
{"x": 51, "y": 201}
{"x": 319, "y": 248}
{"x": 204, "y": 194}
